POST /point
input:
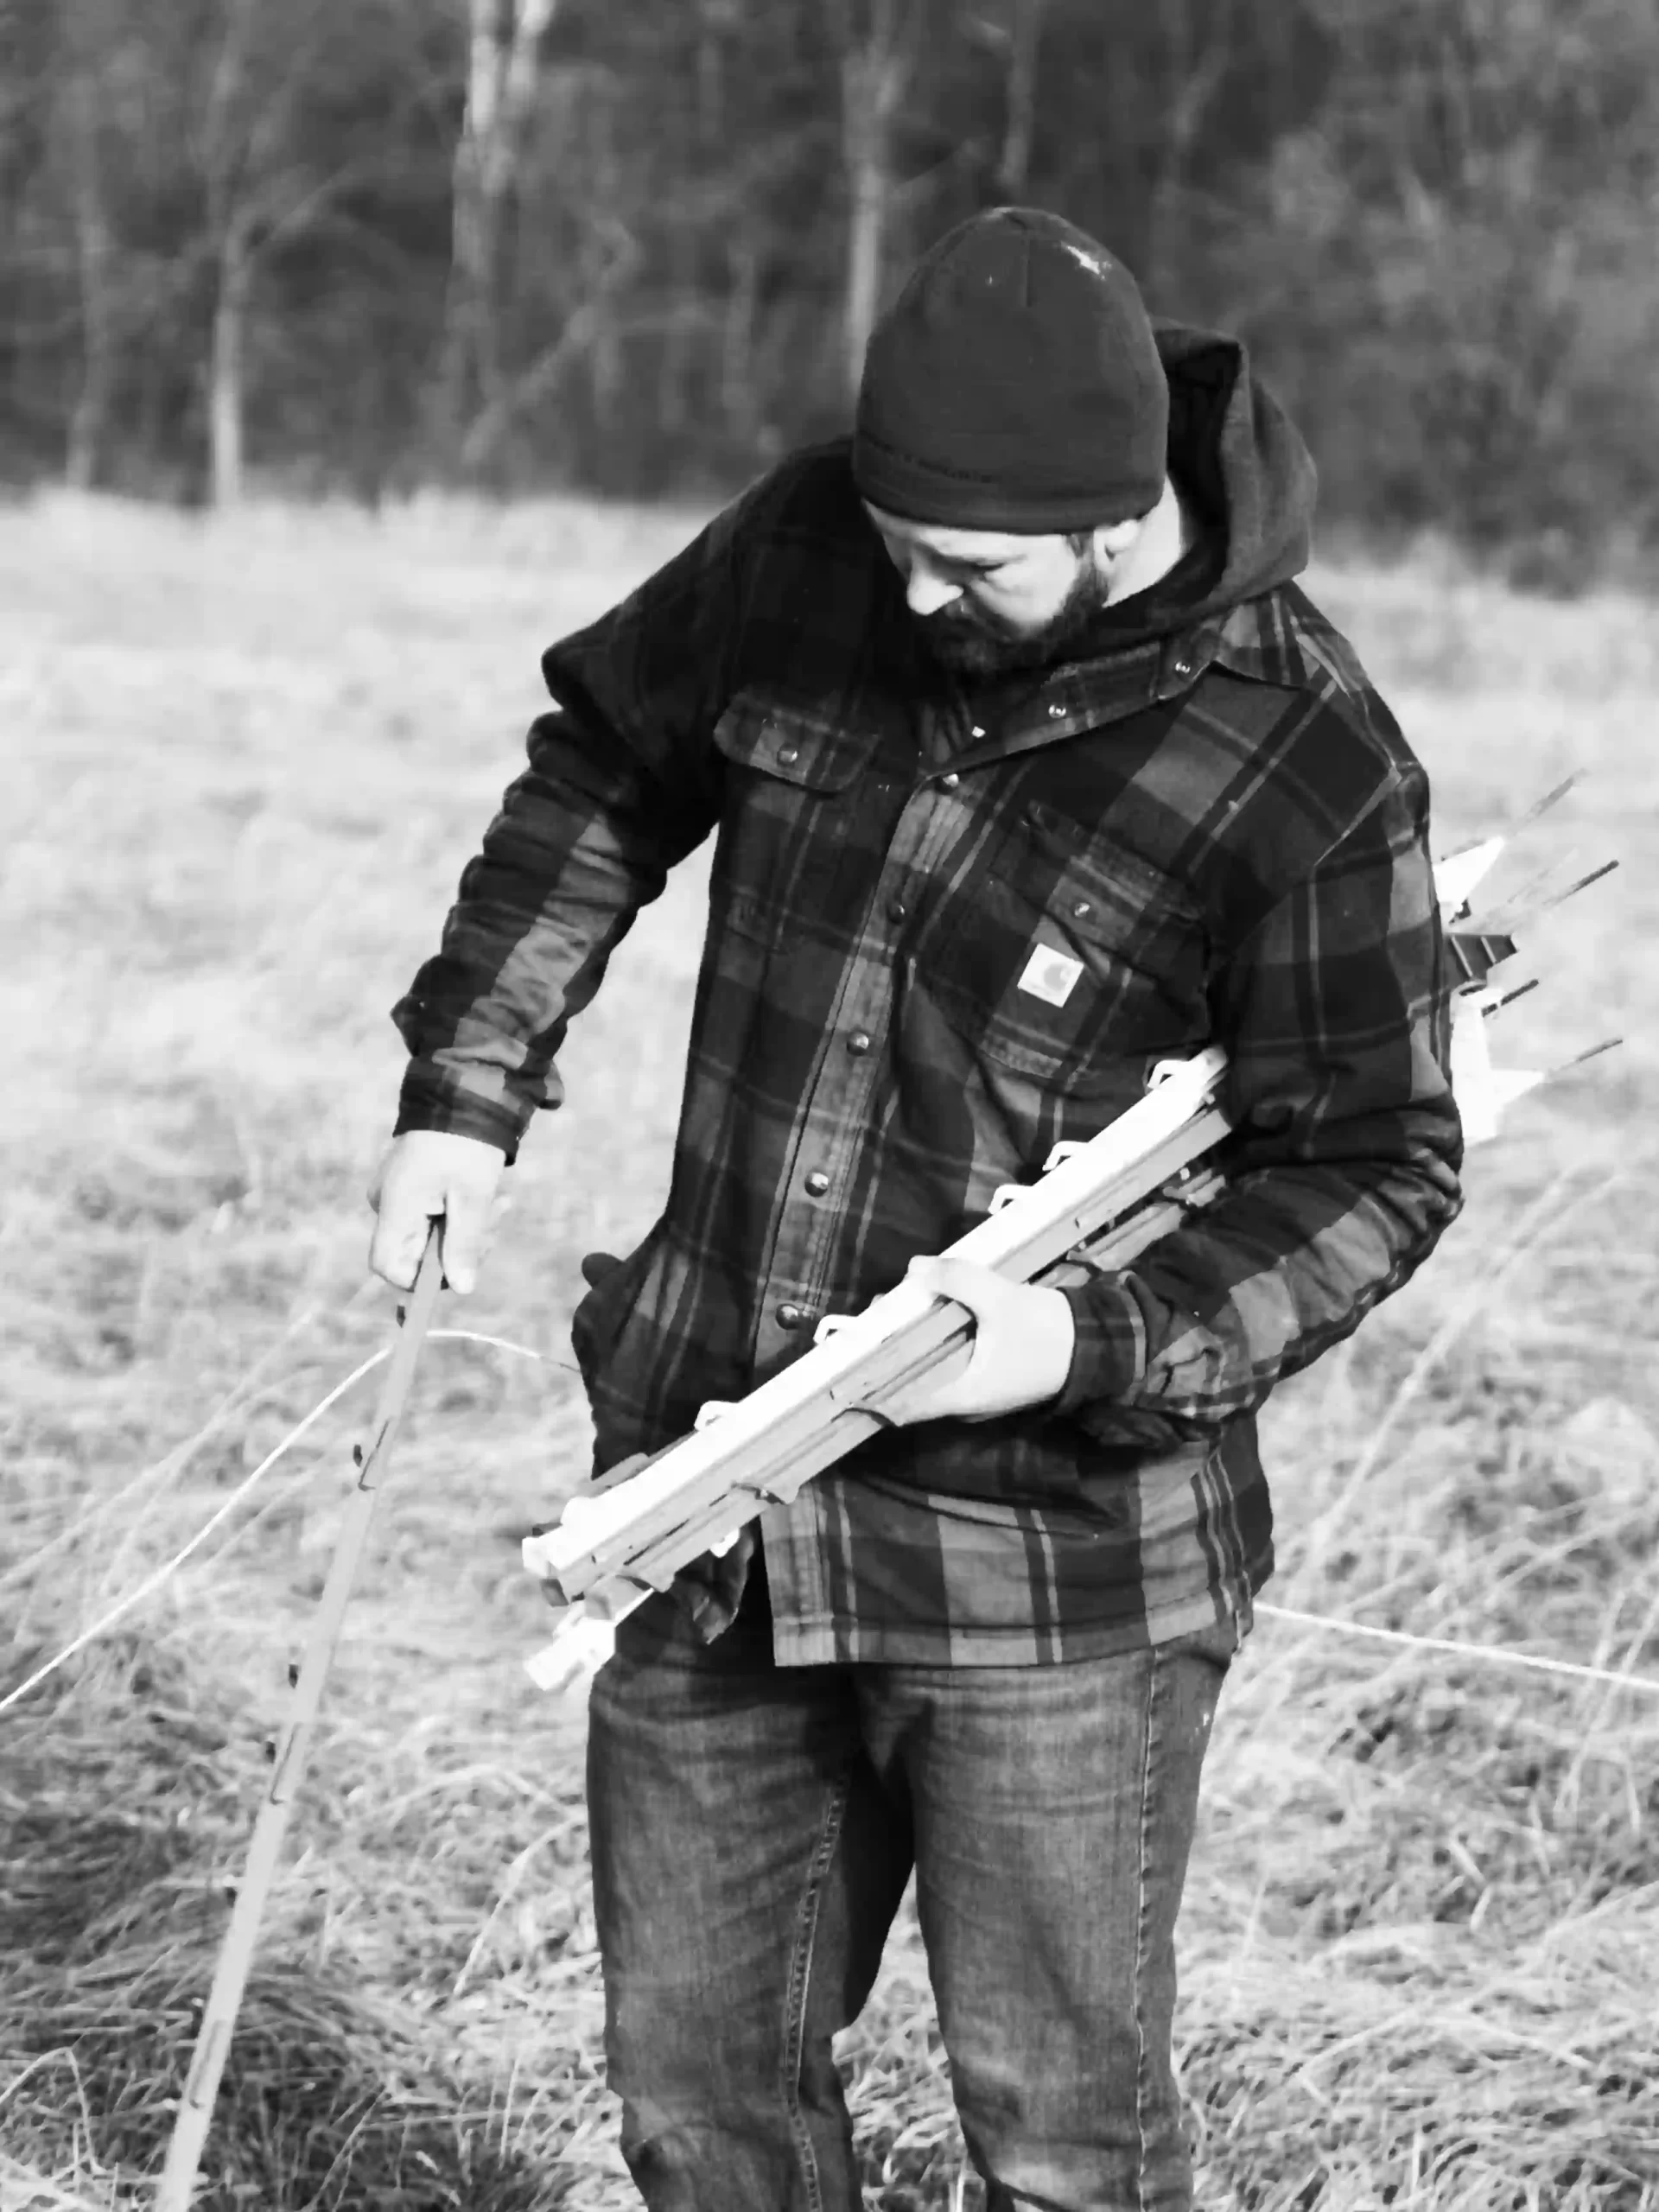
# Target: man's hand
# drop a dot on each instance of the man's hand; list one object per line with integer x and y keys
{"x": 426, "y": 1174}
{"x": 1022, "y": 1342}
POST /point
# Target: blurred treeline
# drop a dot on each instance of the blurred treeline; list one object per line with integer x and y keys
{"x": 637, "y": 245}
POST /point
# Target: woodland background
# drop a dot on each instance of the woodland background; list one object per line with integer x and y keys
{"x": 368, "y": 245}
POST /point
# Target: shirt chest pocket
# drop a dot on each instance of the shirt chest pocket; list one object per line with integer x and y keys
{"x": 1071, "y": 954}
{"x": 788, "y": 836}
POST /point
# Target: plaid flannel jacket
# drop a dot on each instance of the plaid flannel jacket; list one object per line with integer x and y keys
{"x": 1221, "y": 836}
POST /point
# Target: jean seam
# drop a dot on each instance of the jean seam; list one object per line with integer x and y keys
{"x": 1141, "y": 1946}
{"x": 800, "y": 1971}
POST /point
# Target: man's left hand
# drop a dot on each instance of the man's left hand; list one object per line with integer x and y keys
{"x": 1022, "y": 1342}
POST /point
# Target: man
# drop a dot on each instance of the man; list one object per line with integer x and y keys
{"x": 1030, "y": 766}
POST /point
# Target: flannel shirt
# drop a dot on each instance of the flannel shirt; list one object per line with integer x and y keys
{"x": 1221, "y": 832}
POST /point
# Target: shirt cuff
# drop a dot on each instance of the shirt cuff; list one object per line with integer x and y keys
{"x": 428, "y": 1102}
{"x": 1109, "y": 1355}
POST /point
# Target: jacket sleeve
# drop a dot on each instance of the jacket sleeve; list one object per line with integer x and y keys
{"x": 622, "y": 782}
{"x": 1342, "y": 1172}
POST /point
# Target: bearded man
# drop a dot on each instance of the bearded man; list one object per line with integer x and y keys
{"x": 1031, "y": 765}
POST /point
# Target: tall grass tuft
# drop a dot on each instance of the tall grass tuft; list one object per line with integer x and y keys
{"x": 124, "y": 1805}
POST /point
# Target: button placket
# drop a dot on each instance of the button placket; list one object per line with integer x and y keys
{"x": 910, "y": 841}
{"x": 835, "y": 1119}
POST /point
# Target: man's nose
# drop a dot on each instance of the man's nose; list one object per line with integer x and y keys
{"x": 926, "y": 593}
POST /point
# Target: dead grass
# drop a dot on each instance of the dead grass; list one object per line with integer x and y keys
{"x": 245, "y": 763}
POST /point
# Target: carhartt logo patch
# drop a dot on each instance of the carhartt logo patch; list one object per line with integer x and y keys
{"x": 1050, "y": 975}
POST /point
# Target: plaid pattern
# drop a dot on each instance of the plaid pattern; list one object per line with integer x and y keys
{"x": 945, "y": 933}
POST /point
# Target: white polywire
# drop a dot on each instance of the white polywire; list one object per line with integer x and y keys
{"x": 240, "y": 1399}
{"x": 153, "y": 1581}
{"x": 1498, "y": 1653}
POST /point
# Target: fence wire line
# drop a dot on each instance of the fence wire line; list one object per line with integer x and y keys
{"x": 1498, "y": 1654}
{"x": 153, "y": 1581}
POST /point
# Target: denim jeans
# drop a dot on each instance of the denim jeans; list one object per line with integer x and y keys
{"x": 752, "y": 1830}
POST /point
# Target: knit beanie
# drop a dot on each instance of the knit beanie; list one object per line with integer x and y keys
{"x": 1013, "y": 385}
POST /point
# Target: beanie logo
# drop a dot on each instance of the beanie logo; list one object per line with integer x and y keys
{"x": 1050, "y": 975}
{"x": 1098, "y": 264}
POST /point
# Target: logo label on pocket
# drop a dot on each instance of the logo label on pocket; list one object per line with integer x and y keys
{"x": 1050, "y": 975}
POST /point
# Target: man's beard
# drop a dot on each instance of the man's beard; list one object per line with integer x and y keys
{"x": 970, "y": 643}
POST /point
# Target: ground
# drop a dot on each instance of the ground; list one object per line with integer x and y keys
{"x": 245, "y": 759}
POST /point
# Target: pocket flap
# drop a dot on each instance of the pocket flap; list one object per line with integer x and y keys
{"x": 791, "y": 743}
{"x": 1104, "y": 889}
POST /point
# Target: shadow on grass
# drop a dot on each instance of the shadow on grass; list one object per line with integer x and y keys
{"x": 121, "y": 1812}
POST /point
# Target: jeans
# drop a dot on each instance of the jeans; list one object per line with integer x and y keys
{"x": 752, "y": 1830}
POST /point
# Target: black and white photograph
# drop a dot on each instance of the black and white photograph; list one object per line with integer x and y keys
{"x": 830, "y": 1178}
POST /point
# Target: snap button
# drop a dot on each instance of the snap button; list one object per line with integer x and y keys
{"x": 949, "y": 783}
{"x": 817, "y": 1182}
{"x": 788, "y": 755}
{"x": 859, "y": 1043}
{"x": 1182, "y": 665}
{"x": 789, "y": 1316}
{"x": 976, "y": 731}
{"x": 1083, "y": 907}
{"x": 1056, "y": 711}
{"x": 897, "y": 909}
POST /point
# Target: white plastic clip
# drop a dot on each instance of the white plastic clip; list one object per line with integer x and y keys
{"x": 1481, "y": 1090}
{"x": 831, "y": 1326}
{"x": 1067, "y": 1148}
{"x": 711, "y": 1410}
{"x": 1004, "y": 1195}
{"x": 1456, "y": 877}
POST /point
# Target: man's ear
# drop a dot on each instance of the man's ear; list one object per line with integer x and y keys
{"x": 1113, "y": 539}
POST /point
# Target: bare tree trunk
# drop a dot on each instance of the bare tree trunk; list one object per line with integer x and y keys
{"x": 609, "y": 264}
{"x": 591, "y": 326}
{"x": 676, "y": 350}
{"x": 505, "y": 37}
{"x": 676, "y": 336}
{"x": 1198, "y": 63}
{"x": 737, "y": 336}
{"x": 91, "y": 411}
{"x": 873, "y": 86}
{"x": 226, "y": 140}
{"x": 225, "y": 397}
{"x": 468, "y": 326}
{"x": 1025, "y": 36}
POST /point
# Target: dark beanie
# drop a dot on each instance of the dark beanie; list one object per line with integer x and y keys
{"x": 1013, "y": 385}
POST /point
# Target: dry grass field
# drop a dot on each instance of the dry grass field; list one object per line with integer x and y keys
{"x": 244, "y": 762}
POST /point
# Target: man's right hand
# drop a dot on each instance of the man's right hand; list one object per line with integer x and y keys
{"x": 428, "y": 1173}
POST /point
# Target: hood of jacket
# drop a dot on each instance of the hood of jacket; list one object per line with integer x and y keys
{"x": 1240, "y": 459}
{"x": 1248, "y": 478}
